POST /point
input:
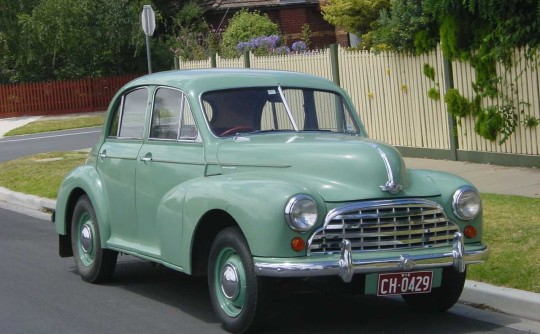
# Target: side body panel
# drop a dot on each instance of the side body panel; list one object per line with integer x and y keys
{"x": 255, "y": 202}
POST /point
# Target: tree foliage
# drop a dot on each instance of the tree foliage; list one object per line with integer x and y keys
{"x": 355, "y": 16}
{"x": 482, "y": 33}
{"x": 69, "y": 39}
{"x": 242, "y": 27}
{"x": 403, "y": 26}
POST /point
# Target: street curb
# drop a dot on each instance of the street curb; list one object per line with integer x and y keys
{"x": 520, "y": 303}
{"x": 524, "y": 304}
{"x": 27, "y": 201}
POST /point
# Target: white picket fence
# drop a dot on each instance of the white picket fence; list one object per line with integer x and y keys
{"x": 390, "y": 94}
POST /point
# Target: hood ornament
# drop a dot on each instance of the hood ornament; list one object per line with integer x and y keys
{"x": 392, "y": 187}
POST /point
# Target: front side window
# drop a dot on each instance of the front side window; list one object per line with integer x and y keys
{"x": 277, "y": 109}
{"x": 171, "y": 116}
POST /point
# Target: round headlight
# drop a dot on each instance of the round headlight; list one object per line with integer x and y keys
{"x": 301, "y": 213}
{"x": 466, "y": 203}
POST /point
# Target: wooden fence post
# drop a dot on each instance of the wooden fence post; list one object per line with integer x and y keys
{"x": 247, "y": 62}
{"x": 449, "y": 84}
{"x": 334, "y": 61}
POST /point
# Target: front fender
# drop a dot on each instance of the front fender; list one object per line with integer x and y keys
{"x": 256, "y": 202}
{"x": 448, "y": 184}
{"x": 82, "y": 180}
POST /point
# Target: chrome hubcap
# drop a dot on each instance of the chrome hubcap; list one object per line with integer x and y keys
{"x": 230, "y": 283}
{"x": 86, "y": 239}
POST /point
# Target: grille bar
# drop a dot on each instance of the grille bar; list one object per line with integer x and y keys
{"x": 384, "y": 225}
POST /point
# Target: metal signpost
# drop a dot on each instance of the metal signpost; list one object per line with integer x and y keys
{"x": 148, "y": 20}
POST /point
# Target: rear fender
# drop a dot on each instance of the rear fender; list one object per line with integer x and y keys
{"x": 82, "y": 180}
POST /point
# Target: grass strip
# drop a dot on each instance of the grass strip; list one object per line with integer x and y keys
{"x": 57, "y": 124}
{"x": 512, "y": 231}
{"x": 39, "y": 174}
{"x": 511, "y": 223}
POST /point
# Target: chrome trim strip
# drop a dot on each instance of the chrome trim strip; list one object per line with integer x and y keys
{"x": 391, "y": 186}
{"x": 253, "y": 165}
{"x": 287, "y": 108}
{"x": 345, "y": 267}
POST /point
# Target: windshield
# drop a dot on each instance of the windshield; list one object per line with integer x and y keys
{"x": 234, "y": 111}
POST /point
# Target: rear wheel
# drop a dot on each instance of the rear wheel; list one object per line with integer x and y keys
{"x": 442, "y": 298}
{"x": 94, "y": 263}
{"x": 237, "y": 293}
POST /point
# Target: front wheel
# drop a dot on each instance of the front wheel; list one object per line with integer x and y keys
{"x": 94, "y": 263}
{"x": 442, "y": 298}
{"x": 237, "y": 293}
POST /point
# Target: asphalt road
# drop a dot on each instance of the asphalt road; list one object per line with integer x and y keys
{"x": 68, "y": 140}
{"x": 41, "y": 293}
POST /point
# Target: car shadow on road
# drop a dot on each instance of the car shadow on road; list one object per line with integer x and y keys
{"x": 297, "y": 310}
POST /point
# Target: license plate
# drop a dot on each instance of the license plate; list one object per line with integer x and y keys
{"x": 404, "y": 283}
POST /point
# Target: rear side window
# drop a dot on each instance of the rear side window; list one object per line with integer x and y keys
{"x": 131, "y": 113}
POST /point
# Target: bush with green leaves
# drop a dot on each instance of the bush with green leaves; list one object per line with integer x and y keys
{"x": 244, "y": 26}
{"x": 457, "y": 105}
{"x": 489, "y": 123}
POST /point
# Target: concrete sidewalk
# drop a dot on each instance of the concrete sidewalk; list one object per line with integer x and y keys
{"x": 487, "y": 178}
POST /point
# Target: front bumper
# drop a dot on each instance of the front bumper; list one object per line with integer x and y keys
{"x": 347, "y": 263}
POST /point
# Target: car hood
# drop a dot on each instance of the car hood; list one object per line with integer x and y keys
{"x": 339, "y": 167}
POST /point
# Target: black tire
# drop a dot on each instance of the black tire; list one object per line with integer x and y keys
{"x": 238, "y": 295}
{"x": 94, "y": 264}
{"x": 442, "y": 298}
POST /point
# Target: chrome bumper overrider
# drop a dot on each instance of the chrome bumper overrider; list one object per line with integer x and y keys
{"x": 345, "y": 266}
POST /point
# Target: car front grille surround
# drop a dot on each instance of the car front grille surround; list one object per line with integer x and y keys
{"x": 383, "y": 225}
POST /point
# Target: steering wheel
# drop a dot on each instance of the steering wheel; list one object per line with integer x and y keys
{"x": 241, "y": 128}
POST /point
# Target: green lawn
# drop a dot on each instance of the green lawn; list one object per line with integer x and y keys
{"x": 55, "y": 124}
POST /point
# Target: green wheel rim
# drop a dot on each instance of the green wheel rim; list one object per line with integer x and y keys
{"x": 86, "y": 244}
{"x": 230, "y": 282}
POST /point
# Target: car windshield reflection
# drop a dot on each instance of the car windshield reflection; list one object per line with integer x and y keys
{"x": 273, "y": 109}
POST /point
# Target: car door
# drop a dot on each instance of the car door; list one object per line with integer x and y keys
{"x": 116, "y": 164}
{"x": 172, "y": 154}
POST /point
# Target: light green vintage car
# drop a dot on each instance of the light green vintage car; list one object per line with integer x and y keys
{"x": 254, "y": 176}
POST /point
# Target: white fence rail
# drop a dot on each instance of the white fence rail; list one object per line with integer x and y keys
{"x": 390, "y": 93}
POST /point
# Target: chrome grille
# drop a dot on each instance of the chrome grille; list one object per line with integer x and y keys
{"x": 384, "y": 225}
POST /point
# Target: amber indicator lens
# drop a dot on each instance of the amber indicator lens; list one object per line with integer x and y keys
{"x": 298, "y": 244}
{"x": 469, "y": 232}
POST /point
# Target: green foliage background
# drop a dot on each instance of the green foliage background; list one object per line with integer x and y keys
{"x": 70, "y": 39}
{"x": 242, "y": 27}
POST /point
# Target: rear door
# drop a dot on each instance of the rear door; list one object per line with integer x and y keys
{"x": 116, "y": 163}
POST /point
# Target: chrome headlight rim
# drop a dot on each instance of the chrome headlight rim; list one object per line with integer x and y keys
{"x": 457, "y": 206}
{"x": 292, "y": 204}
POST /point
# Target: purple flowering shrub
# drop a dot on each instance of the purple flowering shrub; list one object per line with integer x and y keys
{"x": 299, "y": 47}
{"x": 269, "y": 45}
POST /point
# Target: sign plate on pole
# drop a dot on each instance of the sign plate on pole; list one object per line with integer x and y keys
{"x": 148, "y": 19}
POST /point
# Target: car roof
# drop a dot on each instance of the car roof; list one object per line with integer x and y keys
{"x": 201, "y": 80}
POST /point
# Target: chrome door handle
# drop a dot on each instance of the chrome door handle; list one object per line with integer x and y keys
{"x": 102, "y": 154}
{"x": 145, "y": 159}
